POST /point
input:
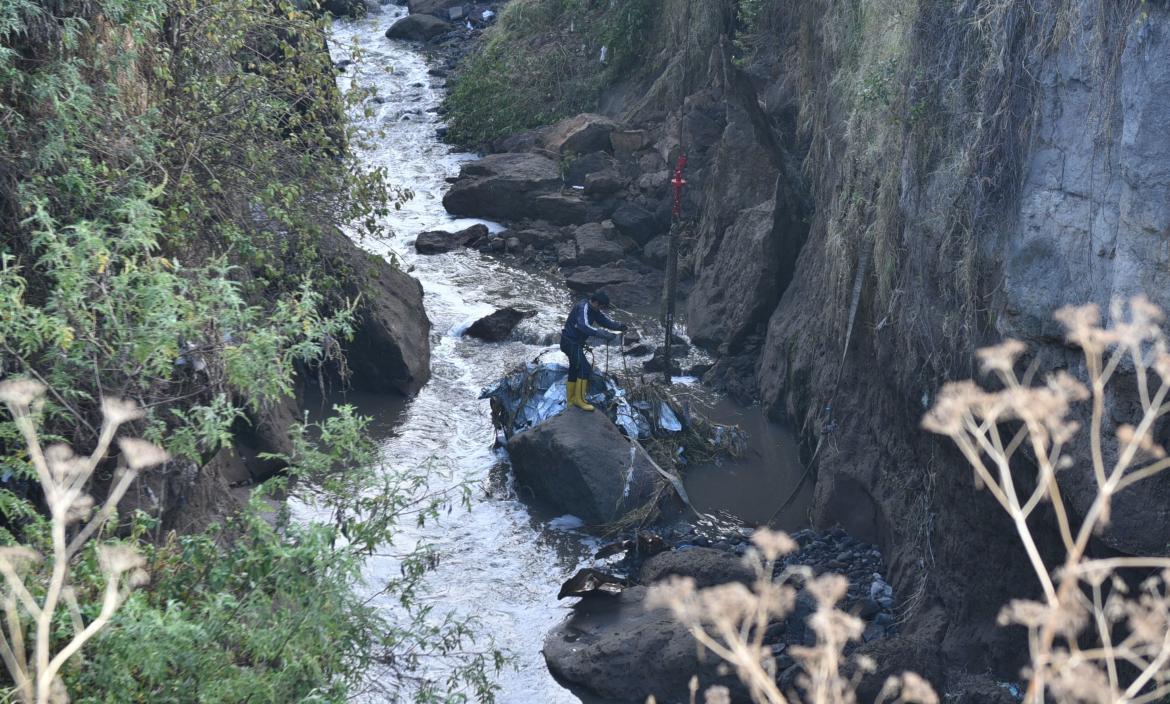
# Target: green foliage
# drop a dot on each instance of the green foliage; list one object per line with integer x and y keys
{"x": 167, "y": 171}
{"x": 267, "y": 609}
{"x": 541, "y": 62}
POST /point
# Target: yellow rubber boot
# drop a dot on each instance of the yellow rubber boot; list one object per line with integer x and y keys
{"x": 579, "y": 395}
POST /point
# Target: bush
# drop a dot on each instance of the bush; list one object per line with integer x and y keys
{"x": 167, "y": 168}
{"x": 542, "y": 62}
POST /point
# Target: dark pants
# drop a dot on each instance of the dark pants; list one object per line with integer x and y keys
{"x": 578, "y": 366}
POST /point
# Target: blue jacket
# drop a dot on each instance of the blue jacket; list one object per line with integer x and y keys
{"x": 583, "y": 323}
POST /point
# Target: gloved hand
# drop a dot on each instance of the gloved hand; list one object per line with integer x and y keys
{"x": 623, "y": 327}
{"x": 612, "y": 337}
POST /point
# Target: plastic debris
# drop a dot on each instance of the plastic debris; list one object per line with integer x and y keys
{"x": 566, "y": 522}
{"x": 488, "y": 15}
{"x": 667, "y": 420}
{"x": 534, "y": 393}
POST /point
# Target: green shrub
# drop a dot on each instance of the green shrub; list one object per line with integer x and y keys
{"x": 541, "y": 63}
{"x": 167, "y": 169}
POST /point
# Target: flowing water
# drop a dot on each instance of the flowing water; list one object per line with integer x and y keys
{"x": 503, "y": 561}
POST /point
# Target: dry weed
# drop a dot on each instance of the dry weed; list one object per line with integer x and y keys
{"x": 730, "y": 621}
{"x": 31, "y": 598}
{"x": 1090, "y": 640}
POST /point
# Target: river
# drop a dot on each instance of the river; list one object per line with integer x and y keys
{"x": 502, "y": 561}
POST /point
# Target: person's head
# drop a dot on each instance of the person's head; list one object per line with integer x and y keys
{"x": 599, "y": 300}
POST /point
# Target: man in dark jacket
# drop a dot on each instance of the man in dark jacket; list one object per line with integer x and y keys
{"x": 586, "y": 320}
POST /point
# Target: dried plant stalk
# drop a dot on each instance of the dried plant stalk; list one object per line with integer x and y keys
{"x": 64, "y": 477}
{"x": 1076, "y": 653}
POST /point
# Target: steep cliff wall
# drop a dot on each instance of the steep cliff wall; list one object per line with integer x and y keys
{"x": 973, "y": 166}
{"x": 880, "y": 187}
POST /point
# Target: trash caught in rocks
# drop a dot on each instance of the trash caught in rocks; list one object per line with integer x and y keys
{"x": 672, "y": 433}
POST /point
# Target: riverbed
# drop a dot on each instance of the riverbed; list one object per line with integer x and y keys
{"x": 502, "y": 560}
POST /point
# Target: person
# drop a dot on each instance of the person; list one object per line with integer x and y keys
{"x": 585, "y": 320}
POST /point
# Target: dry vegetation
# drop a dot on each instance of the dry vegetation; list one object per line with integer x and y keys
{"x": 32, "y": 597}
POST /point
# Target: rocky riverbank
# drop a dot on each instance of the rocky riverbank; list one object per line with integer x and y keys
{"x": 869, "y": 199}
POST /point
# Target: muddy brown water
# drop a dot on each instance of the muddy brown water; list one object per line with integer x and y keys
{"x": 502, "y": 559}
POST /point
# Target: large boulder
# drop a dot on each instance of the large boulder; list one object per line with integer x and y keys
{"x": 579, "y": 463}
{"x": 707, "y": 566}
{"x": 391, "y": 347}
{"x": 418, "y": 28}
{"x": 438, "y": 8}
{"x": 578, "y": 170}
{"x": 626, "y": 286}
{"x": 583, "y": 134}
{"x": 636, "y": 222}
{"x": 440, "y": 241}
{"x": 738, "y": 287}
{"x": 596, "y": 246}
{"x": 504, "y": 187}
{"x": 616, "y": 648}
{"x": 499, "y": 325}
{"x": 266, "y": 430}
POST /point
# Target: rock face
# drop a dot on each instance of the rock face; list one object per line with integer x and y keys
{"x": 579, "y": 463}
{"x": 1093, "y": 226}
{"x": 499, "y": 325}
{"x": 418, "y": 28}
{"x": 266, "y": 431}
{"x": 650, "y": 654}
{"x": 739, "y": 287}
{"x": 391, "y": 349}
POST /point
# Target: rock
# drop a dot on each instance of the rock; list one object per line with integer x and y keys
{"x": 583, "y": 134}
{"x": 562, "y": 209}
{"x": 345, "y": 8}
{"x": 418, "y": 28}
{"x": 579, "y": 169}
{"x": 541, "y": 239}
{"x": 655, "y": 182}
{"x": 618, "y": 649}
{"x": 595, "y": 246}
{"x": 707, "y": 566}
{"x": 657, "y": 364}
{"x": 567, "y": 254}
{"x": 699, "y": 370}
{"x": 266, "y": 431}
{"x": 577, "y": 463}
{"x": 739, "y": 286}
{"x": 185, "y": 496}
{"x": 499, "y": 325}
{"x": 439, "y": 242}
{"x": 657, "y": 250}
{"x": 626, "y": 142}
{"x": 506, "y": 187}
{"x": 438, "y": 8}
{"x": 625, "y": 285}
{"x": 636, "y": 222}
{"x": 390, "y": 350}
{"x": 603, "y": 183}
